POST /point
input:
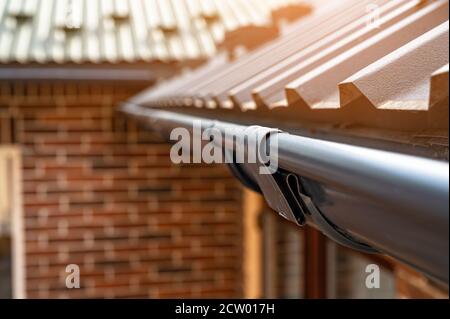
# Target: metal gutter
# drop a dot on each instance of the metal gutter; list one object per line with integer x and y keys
{"x": 394, "y": 203}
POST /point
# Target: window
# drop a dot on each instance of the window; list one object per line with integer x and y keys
{"x": 348, "y": 273}
{"x": 282, "y": 257}
{"x": 11, "y": 234}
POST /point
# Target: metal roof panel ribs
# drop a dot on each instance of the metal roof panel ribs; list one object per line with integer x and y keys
{"x": 319, "y": 87}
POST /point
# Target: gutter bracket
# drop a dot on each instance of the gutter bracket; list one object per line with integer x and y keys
{"x": 284, "y": 192}
{"x": 315, "y": 217}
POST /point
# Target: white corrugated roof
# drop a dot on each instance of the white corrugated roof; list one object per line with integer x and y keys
{"x": 81, "y": 31}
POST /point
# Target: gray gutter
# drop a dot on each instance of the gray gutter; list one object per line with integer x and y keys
{"x": 396, "y": 203}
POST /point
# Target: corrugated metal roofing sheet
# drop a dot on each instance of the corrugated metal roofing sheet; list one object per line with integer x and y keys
{"x": 81, "y": 31}
{"x": 280, "y": 49}
{"x": 306, "y": 74}
{"x": 439, "y": 87}
{"x": 401, "y": 80}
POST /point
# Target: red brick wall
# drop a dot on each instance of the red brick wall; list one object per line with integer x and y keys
{"x": 101, "y": 193}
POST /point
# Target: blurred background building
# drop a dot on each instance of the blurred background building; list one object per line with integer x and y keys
{"x": 81, "y": 184}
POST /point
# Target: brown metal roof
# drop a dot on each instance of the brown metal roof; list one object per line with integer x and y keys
{"x": 112, "y": 31}
{"x": 337, "y": 66}
{"x": 277, "y": 51}
{"x": 439, "y": 87}
{"x": 401, "y": 79}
